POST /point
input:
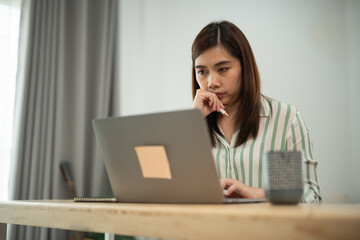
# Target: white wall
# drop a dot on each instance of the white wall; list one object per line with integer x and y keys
{"x": 353, "y": 66}
{"x": 308, "y": 53}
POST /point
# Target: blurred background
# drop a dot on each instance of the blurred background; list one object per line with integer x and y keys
{"x": 90, "y": 59}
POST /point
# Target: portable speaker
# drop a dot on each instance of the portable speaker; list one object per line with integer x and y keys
{"x": 283, "y": 176}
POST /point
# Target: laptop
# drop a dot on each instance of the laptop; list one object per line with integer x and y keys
{"x": 161, "y": 158}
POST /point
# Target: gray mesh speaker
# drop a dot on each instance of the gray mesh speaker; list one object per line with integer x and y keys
{"x": 283, "y": 176}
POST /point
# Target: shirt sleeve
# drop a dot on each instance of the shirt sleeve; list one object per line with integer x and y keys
{"x": 298, "y": 139}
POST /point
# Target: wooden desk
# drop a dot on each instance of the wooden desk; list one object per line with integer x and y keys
{"x": 246, "y": 221}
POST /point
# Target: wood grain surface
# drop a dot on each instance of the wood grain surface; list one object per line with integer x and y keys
{"x": 190, "y": 221}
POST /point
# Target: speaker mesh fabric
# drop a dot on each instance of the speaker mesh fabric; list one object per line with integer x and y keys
{"x": 283, "y": 170}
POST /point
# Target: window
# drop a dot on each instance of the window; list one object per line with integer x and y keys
{"x": 9, "y": 33}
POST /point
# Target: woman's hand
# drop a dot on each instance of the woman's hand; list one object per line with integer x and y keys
{"x": 207, "y": 102}
{"x": 236, "y": 189}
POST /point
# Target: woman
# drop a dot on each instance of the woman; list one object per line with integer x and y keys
{"x": 225, "y": 77}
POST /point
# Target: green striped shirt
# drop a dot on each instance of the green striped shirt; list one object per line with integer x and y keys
{"x": 281, "y": 128}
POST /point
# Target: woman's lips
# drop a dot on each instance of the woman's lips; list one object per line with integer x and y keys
{"x": 219, "y": 95}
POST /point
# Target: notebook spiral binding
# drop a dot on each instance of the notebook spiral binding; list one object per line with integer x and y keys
{"x": 96, "y": 199}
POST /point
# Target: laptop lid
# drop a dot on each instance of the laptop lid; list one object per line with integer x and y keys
{"x": 161, "y": 158}
{"x": 185, "y": 138}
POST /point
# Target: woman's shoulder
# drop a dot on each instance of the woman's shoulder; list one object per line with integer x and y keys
{"x": 274, "y": 108}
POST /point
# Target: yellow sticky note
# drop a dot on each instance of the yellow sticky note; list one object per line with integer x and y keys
{"x": 153, "y": 161}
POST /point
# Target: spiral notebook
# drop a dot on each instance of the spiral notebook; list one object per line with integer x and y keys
{"x": 94, "y": 199}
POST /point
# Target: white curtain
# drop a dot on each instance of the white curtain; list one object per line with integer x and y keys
{"x": 67, "y": 76}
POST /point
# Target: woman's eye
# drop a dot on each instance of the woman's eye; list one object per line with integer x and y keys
{"x": 201, "y": 72}
{"x": 222, "y": 69}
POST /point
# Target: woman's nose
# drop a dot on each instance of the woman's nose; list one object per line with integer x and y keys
{"x": 213, "y": 81}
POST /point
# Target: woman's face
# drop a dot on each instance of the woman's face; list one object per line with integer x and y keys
{"x": 219, "y": 72}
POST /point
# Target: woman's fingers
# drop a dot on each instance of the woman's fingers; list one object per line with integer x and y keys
{"x": 231, "y": 190}
{"x": 220, "y": 105}
{"x": 236, "y": 188}
{"x": 213, "y": 96}
{"x": 226, "y": 182}
{"x": 207, "y": 102}
{"x": 232, "y": 186}
{"x": 211, "y": 101}
{"x": 215, "y": 102}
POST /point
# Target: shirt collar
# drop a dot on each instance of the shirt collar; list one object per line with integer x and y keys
{"x": 225, "y": 141}
{"x": 264, "y": 107}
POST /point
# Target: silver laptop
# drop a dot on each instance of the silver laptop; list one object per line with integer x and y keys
{"x": 160, "y": 158}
